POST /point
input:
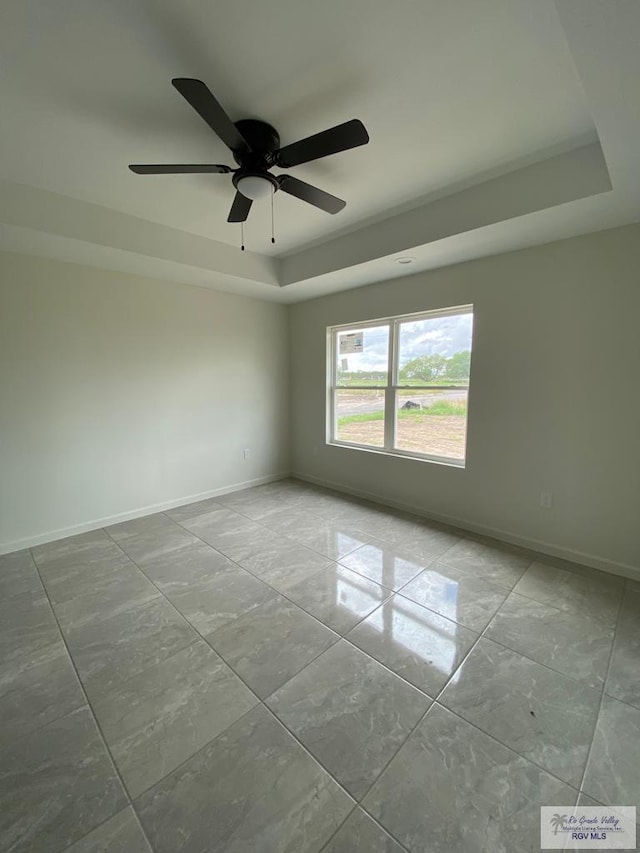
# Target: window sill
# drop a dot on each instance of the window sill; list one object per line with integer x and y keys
{"x": 401, "y": 454}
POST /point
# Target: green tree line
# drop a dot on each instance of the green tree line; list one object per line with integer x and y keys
{"x": 422, "y": 369}
{"x": 429, "y": 368}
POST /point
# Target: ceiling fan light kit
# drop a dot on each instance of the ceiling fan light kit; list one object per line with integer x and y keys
{"x": 255, "y": 146}
{"x": 255, "y": 187}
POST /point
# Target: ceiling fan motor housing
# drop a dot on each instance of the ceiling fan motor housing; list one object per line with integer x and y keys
{"x": 263, "y": 140}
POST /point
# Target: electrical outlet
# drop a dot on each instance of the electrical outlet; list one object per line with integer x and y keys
{"x": 546, "y": 500}
{"x": 315, "y": 450}
{"x": 246, "y": 453}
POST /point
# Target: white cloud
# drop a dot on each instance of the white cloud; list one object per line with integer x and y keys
{"x": 444, "y": 335}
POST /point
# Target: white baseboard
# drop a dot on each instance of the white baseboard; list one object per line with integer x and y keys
{"x": 97, "y": 523}
{"x": 537, "y": 546}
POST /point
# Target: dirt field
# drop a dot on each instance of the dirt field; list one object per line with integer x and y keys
{"x": 438, "y": 435}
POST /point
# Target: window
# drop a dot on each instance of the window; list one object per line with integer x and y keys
{"x": 400, "y": 385}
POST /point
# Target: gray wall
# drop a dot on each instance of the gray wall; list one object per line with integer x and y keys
{"x": 120, "y": 393}
{"x": 554, "y": 400}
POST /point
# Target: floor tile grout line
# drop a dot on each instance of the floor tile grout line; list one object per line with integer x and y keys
{"x": 400, "y": 746}
{"x": 200, "y": 749}
{"x": 283, "y": 536}
{"x": 259, "y": 521}
{"x": 357, "y": 649}
{"x": 602, "y": 695}
{"x": 192, "y": 756}
{"x": 567, "y": 566}
{"x": 202, "y": 637}
{"x": 308, "y": 752}
{"x": 368, "y": 539}
{"x": 437, "y": 559}
{"x": 386, "y": 767}
{"x": 533, "y": 660}
{"x": 102, "y": 823}
{"x": 501, "y": 642}
{"x": 263, "y": 523}
{"x": 440, "y": 704}
{"x": 513, "y": 591}
{"x": 436, "y": 700}
{"x": 391, "y": 592}
{"x": 339, "y": 636}
{"x": 142, "y": 829}
{"x": 238, "y": 565}
{"x": 621, "y": 701}
{"x": 384, "y": 601}
{"x": 373, "y": 819}
{"x": 481, "y": 635}
{"x": 125, "y": 682}
{"x": 481, "y": 538}
{"x": 273, "y": 715}
{"x": 602, "y": 691}
{"x": 548, "y": 772}
{"x": 115, "y": 767}
{"x": 613, "y": 651}
{"x": 259, "y": 701}
{"x": 143, "y": 606}
{"x": 334, "y": 496}
{"x": 336, "y": 560}
{"x": 263, "y": 702}
{"x": 436, "y": 703}
{"x": 187, "y": 620}
{"x": 40, "y": 726}
{"x": 461, "y": 663}
{"x": 357, "y": 801}
{"x": 324, "y": 624}
{"x": 284, "y": 594}
{"x": 345, "y": 635}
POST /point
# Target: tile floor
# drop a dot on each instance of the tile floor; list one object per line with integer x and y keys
{"x": 287, "y": 669}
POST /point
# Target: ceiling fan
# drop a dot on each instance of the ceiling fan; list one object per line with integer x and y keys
{"x": 255, "y": 148}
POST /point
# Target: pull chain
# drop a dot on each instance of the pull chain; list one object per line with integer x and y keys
{"x": 273, "y": 239}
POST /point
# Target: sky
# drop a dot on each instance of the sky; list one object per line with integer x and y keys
{"x": 443, "y": 335}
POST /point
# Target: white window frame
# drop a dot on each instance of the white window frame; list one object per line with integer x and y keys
{"x": 391, "y": 388}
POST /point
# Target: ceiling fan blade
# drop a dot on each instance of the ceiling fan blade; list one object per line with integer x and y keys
{"x": 204, "y": 103}
{"x": 240, "y": 208}
{"x": 351, "y": 134}
{"x": 179, "y": 169}
{"x": 312, "y": 195}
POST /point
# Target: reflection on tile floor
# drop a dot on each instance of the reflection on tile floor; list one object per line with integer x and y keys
{"x": 289, "y": 669}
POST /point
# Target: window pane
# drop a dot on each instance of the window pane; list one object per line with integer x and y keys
{"x": 360, "y": 416}
{"x": 362, "y": 356}
{"x": 432, "y": 422}
{"x": 435, "y": 351}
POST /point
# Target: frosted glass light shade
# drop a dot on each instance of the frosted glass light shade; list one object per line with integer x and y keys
{"x": 254, "y": 187}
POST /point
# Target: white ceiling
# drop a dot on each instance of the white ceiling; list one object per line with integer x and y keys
{"x": 493, "y": 124}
